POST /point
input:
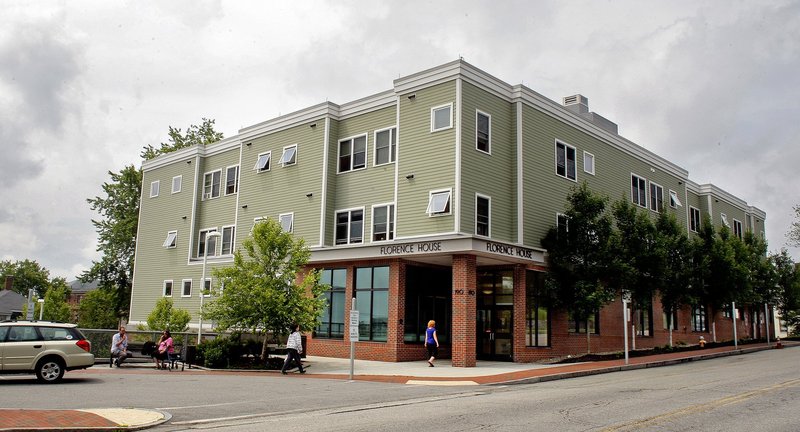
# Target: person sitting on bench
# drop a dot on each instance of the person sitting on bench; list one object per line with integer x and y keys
{"x": 119, "y": 348}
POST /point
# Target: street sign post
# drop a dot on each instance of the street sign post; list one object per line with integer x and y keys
{"x": 353, "y": 336}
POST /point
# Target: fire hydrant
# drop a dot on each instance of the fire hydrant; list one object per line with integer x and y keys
{"x": 778, "y": 343}
{"x": 702, "y": 342}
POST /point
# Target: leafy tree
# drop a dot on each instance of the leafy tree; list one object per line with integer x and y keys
{"x": 97, "y": 310}
{"x": 56, "y": 306}
{"x": 165, "y": 317}
{"x": 579, "y": 274}
{"x": 787, "y": 280}
{"x": 119, "y": 211}
{"x": 26, "y": 275}
{"x": 673, "y": 275}
{"x": 261, "y": 292}
{"x": 634, "y": 255}
{"x": 203, "y": 134}
{"x": 794, "y": 231}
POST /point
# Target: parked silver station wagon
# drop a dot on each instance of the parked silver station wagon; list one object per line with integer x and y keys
{"x": 47, "y": 349}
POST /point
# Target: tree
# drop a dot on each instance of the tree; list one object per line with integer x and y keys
{"x": 794, "y": 232}
{"x": 97, "y": 310}
{"x": 165, "y": 317}
{"x": 578, "y": 280}
{"x": 673, "y": 275}
{"x": 634, "y": 255}
{"x": 119, "y": 211}
{"x": 56, "y": 307}
{"x": 787, "y": 281}
{"x": 195, "y": 135}
{"x": 26, "y": 275}
{"x": 261, "y": 292}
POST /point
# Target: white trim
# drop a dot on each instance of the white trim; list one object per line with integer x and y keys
{"x": 155, "y": 188}
{"x": 171, "y": 288}
{"x": 324, "y": 187}
{"x": 585, "y": 153}
{"x": 449, "y": 106}
{"x": 180, "y": 183}
{"x": 724, "y": 218}
{"x": 390, "y": 224}
{"x": 431, "y": 193}
{"x": 349, "y": 224}
{"x": 638, "y": 185}
{"x": 392, "y": 136}
{"x": 455, "y": 203}
{"x": 183, "y": 287}
{"x": 291, "y": 221}
{"x": 673, "y": 196}
{"x": 205, "y": 244}
{"x": 222, "y": 237}
{"x": 236, "y": 180}
{"x": 352, "y": 140}
{"x": 566, "y": 161}
{"x": 650, "y": 201}
{"x": 741, "y": 229}
{"x": 397, "y": 163}
{"x": 203, "y": 287}
{"x": 174, "y": 242}
{"x": 210, "y": 195}
{"x": 566, "y": 219}
{"x": 489, "y": 216}
{"x": 479, "y": 113}
{"x": 294, "y": 156}
{"x": 267, "y": 162}
{"x": 520, "y": 178}
{"x": 699, "y": 219}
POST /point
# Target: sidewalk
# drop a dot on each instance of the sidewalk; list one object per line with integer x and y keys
{"x": 411, "y": 373}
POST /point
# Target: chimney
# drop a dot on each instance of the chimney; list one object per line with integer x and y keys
{"x": 9, "y": 282}
{"x": 579, "y": 104}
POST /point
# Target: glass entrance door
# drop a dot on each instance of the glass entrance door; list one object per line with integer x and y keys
{"x": 495, "y": 316}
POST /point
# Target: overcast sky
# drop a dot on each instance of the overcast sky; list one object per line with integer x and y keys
{"x": 712, "y": 86}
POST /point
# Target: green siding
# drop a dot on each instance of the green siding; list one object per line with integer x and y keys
{"x": 430, "y": 156}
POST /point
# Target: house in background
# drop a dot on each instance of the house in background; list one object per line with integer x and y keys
{"x": 11, "y": 304}
{"x": 79, "y": 290}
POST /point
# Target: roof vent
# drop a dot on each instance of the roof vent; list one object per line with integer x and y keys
{"x": 578, "y": 104}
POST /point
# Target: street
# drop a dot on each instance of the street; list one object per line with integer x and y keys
{"x": 759, "y": 391}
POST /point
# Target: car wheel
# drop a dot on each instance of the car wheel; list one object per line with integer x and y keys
{"x": 50, "y": 370}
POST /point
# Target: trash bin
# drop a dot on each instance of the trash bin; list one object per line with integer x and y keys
{"x": 191, "y": 355}
{"x": 303, "y": 343}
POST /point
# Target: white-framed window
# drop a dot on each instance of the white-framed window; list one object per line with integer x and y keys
{"x": 187, "y": 288}
{"x": 694, "y": 219}
{"x": 588, "y": 163}
{"x": 289, "y": 156}
{"x": 177, "y": 181}
{"x": 674, "y": 202}
{"x": 201, "y": 243}
{"x": 262, "y": 163}
{"x": 211, "y": 184}
{"x": 439, "y": 202}
{"x": 483, "y": 211}
{"x": 231, "y": 180}
{"x": 737, "y": 228}
{"x": 353, "y": 153}
{"x": 565, "y": 160}
{"x": 385, "y": 146}
{"x": 154, "y": 188}
{"x": 228, "y": 239}
{"x": 256, "y": 221}
{"x": 382, "y": 222}
{"x": 287, "y": 222}
{"x": 656, "y": 197}
{"x": 441, "y": 117}
{"x": 167, "y": 291}
{"x": 724, "y": 218}
{"x": 483, "y": 132}
{"x": 638, "y": 190}
{"x": 171, "y": 240}
{"x": 562, "y": 224}
{"x": 349, "y": 226}
{"x": 207, "y": 288}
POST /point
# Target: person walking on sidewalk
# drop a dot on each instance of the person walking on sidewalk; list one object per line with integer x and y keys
{"x": 119, "y": 347}
{"x": 431, "y": 342}
{"x": 294, "y": 347}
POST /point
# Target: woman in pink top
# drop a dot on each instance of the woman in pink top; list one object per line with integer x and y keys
{"x": 165, "y": 349}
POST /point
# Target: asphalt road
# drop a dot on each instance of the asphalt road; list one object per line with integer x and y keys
{"x": 754, "y": 392}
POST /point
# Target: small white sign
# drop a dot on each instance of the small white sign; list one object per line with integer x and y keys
{"x": 353, "y": 326}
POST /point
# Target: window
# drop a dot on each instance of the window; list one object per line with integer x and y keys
{"x": 349, "y": 226}
{"x": 483, "y": 132}
{"x": 211, "y": 184}
{"x": 656, "y": 197}
{"x": 565, "y": 160}
{"x": 262, "y": 163}
{"x": 428, "y": 296}
{"x": 638, "y": 190}
{"x": 332, "y": 320}
{"x": 699, "y": 323}
{"x": 201, "y": 244}
{"x": 372, "y": 301}
{"x": 673, "y": 317}
{"x": 207, "y": 288}
{"x": 228, "y": 235}
{"x": 441, "y": 117}
{"x": 289, "y": 156}
{"x": 172, "y": 240}
{"x": 176, "y": 183}
{"x": 353, "y": 153}
{"x": 562, "y": 224}
{"x": 737, "y": 228}
{"x": 383, "y": 222}
{"x": 187, "y": 288}
{"x": 588, "y": 163}
{"x": 592, "y": 323}
{"x": 232, "y": 180}
{"x": 644, "y": 319}
{"x": 287, "y": 221}
{"x": 482, "y": 211}
{"x": 385, "y": 146}
{"x": 154, "y": 186}
{"x": 538, "y": 314}
{"x": 439, "y": 203}
{"x": 167, "y": 288}
{"x": 674, "y": 202}
{"x": 724, "y": 218}
{"x": 694, "y": 219}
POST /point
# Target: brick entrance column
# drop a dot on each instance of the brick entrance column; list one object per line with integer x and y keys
{"x": 464, "y": 310}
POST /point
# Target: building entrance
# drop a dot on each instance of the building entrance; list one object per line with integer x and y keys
{"x": 495, "y": 315}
